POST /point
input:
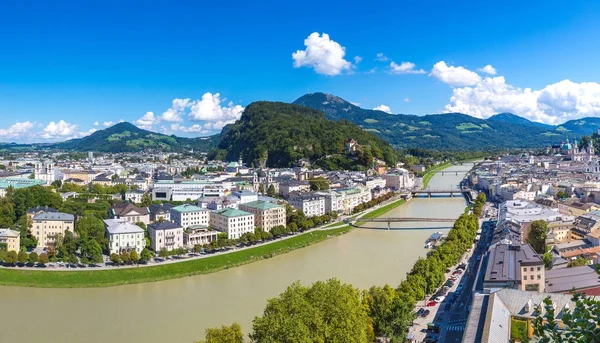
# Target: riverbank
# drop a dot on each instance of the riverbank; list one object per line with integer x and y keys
{"x": 116, "y": 277}
{"x": 427, "y": 177}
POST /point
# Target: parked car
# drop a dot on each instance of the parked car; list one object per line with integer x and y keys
{"x": 459, "y": 288}
{"x": 431, "y": 303}
{"x": 425, "y": 313}
{"x": 420, "y": 311}
{"x": 440, "y": 299}
{"x": 478, "y": 257}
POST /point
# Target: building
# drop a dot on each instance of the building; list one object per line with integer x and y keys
{"x": 134, "y": 195}
{"x": 198, "y": 234}
{"x": 399, "y": 178}
{"x": 165, "y": 235}
{"x": 515, "y": 266}
{"x": 45, "y": 171}
{"x": 17, "y": 183}
{"x": 129, "y": 212}
{"x": 245, "y": 196}
{"x": 266, "y": 215}
{"x": 47, "y": 226}
{"x": 582, "y": 279}
{"x": 576, "y": 208}
{"x": 187, "y": 215}
{"x": 160, "y": 211}
{"x": 311, "y": 204}
{"x": 233, "y": 222}
{"x": 293, "y": 186}
{"x": 39, "y": 209}
{"x": 123, "y": 235}
{"x": 10, "y": 240}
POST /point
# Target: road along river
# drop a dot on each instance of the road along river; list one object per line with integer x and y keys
{"x": 180, "y": 310}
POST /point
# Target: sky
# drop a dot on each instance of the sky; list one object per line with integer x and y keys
{"x": 68, "y": 68}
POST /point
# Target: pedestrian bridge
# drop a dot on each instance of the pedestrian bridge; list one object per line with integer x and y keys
{"x": 429, "y": 192}
{"x": 407, "y": 219}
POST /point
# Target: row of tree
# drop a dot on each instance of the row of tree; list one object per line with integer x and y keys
{"x": 373, "y": 202}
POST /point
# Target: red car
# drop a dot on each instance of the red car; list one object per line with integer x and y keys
{"x": 431, "y": 303}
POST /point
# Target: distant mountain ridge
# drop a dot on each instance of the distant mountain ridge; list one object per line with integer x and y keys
{"x": 450, "y": 131}
{"x": 126, "y": 137}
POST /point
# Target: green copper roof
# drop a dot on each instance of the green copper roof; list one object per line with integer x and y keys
{"x": 232, "y": 212}
{"x": 261, "y": 205}
{"x": 187, "y": 208}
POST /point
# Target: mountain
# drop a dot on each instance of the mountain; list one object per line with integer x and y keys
{"x": 449, "y": 131}
{"x": 276, "y": 134}
{"x": 126, "y": 137}
{"x": 515, "y": 119}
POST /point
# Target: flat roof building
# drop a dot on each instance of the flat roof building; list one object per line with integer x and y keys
{"x": 515, "y": 266}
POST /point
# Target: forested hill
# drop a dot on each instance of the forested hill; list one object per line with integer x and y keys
{"x": 451, "y": 131}
{"x": 276, "y": 134}
{"x": 126, "y": 137}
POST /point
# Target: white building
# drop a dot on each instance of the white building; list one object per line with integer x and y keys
{"x": 187, "y": 215}
{"x": 311, "y": 204}
{"x": 46, "y": 172}
{"x": 124, "y": 236}
{"x": 165, "y": 235}
{"x": 245, "y": 196}
{"x": 232, "y": 222}
{"x": 399, "y": 178}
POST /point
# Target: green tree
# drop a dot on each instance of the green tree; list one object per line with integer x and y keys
{"x": 125, "y": 257}
{"x": 271, "y": 191}
{"x": 134, "y": 257}
{"x": 43, "y": 259}
{"x": 224, "y": 334}
{"x": 379, "y": 302}
{"x": 23, "y": 257}
{"x": 324, "y": 312}
{"x": 578, "y": 262}
{"x": 115, "y": 259}
{"x": 537, "y": 235}
{"x": 11, "y": 257}
{"x": 261, "y": 188}
{"x": 33, "y": 258}
{"x": 91, "y": 250}
{"x": 146, "y": 255}
{"x": 164, "y": 253}
{"x": 580, "y": 322}
{"x": 146, "y": 200}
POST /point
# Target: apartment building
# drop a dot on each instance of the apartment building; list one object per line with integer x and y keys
{"x": 131, "y": 213}
{"x": 311, "y": 204}
{"x": 124, "y": 236}
{"x": 47, "y": 226}
{"x": 515, "y": 266}
{"x": 165, "y": 235}
{"x": 11, "y": 239}
{"x": 266, "y": 215}
{"x": 198, "y": 234}
{"x": 233, "y": 222}
{"x": 187, "y": 215}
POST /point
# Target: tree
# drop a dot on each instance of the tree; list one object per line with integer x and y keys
{"x": 271, "y": 191}
{"x": 163, "y": 253}
{"x": 224, "y": 334}
{"x": 379, "y": 302}
{"x": 261, "y": 188}
{"x": 11, "y": 257}
{"x": 537, "y": 235}
{"x": 318, "y": 184}
{"x": 134, "y": 257}
{"x": 125, "y": 257}
{"x": 43, "y": 259}
{"x": 146, "y": 200}
{"x": 578, "y": 262}
{"x": 324, "y": 312}
{"x": 33, "y": 258}
{"x": 580, "y": 322}
{"x": 72, "y": 259}
{"x": 146, "y": 255}
{"x": 115, "y": 259}
{"x": 23, "y": 257}
{"x": 91, "y": 250}
{"x": 562, "y": 195}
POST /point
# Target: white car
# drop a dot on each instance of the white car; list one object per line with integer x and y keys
{"x": 440, "y": 299}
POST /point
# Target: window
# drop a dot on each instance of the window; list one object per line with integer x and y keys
{"x": 539, "y": 277}
{"x": 539, "y": 268}
{"x": 524, "y": 277}
{"x": 531, "y": 269}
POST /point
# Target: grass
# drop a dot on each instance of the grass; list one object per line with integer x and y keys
{"x": 116, "y": 277}
{"x": 371, "y": 121}
{"x": 467, "y": 127}
{"x": 518, "y": 329}
{"x": 432, "y": 172}
{"x": 376, "y": 213}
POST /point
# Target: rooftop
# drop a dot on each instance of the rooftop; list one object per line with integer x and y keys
{"x": 185, "y": 208}
{"x": 9, "y": 233}
{"x": 261, "y": 205}
{"x": 164, "y": 225}
{"x": 232, "y": 212}
{"x": 562, "y": 280}
{"x": 505, "y": 262}
{"x": 54, "y": 216}
{"x": 119, "y": 226}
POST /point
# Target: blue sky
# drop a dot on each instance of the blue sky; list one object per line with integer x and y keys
{"x": 68, "y": 66}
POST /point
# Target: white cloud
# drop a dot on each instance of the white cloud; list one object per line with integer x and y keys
{"x": 383, "y": 108}
{"x": 406, "y": 99}
{"x": 405, "y": 68}
{"x": 357, "y": 59}
{"x": 61, "y": 129}
{"x": 371, "y": 71}
{"x": 96, "y": 123}
{"x": 488, "y": 69}
{"x": 146, "y": 121}
{"x": 355, "y": 103}
{"x": 17, "y": 130}
{"x": 454, "y": 76}
{"x": 108, "y": 123}
{"x": 209, "y": 108}
{"x": 83, "y": 134}
{"x": 324, "y": 55}
{"x": 174, "y": 114}
{"x": 121, "y": 120}
{"x": 553, "y": 104}
{"x": 381, "y": 57}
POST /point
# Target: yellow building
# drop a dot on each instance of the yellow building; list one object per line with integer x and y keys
{"x": 47, "y": 226}
{"x": 10, "y": 238}
{"x": 266, "y": 215}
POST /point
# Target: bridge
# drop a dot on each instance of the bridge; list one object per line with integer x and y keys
{"x": 453, "y": 172}
{"x": 408, "y": 219}
{"x": 429, "y": 192}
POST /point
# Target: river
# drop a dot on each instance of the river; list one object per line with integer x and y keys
{"x": 180, "y": 310}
